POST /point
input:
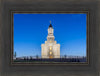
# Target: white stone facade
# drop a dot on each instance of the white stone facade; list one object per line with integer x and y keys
{"x": 50, "y": 49}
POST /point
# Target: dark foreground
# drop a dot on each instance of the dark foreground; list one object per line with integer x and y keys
{"x": 52, "y": 60}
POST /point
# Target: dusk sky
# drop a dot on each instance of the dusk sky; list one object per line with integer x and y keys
{"x": 30, "y": 31}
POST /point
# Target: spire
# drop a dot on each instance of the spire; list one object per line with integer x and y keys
{"x": 50, "y": 21}
{"x": 50, "y": 26}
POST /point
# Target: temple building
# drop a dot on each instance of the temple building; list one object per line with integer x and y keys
{"x": 50, "y": 49}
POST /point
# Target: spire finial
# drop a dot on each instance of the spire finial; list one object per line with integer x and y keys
{"x": 50, "y": 21}
{"x": 50, "y": 26}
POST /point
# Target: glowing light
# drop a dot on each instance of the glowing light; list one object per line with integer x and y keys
{"x": 50, "y": 48}
{"x": 50, "y": 52}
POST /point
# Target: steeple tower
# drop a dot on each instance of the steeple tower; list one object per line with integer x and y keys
{"x": 50, "y": 49}
{"x": 50, "y": 36}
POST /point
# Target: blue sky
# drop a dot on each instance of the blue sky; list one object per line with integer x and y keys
{"x": 30, "y": 31}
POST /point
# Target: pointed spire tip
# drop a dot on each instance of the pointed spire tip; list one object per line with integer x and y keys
{"x": 50, "y": 21}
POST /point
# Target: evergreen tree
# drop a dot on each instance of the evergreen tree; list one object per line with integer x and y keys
{"x": 15, "y": 54}
{"x": 65, "y": 56}
{"x": 37, "y": 56}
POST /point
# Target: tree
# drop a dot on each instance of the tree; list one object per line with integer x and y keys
{"x": 15, "y": 54}
{"x": 37, "y": 56}
{"x": 65, "y": 56}
{"x": 30, "y": 57}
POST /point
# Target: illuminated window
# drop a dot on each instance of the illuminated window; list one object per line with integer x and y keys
{"x": 50, "y": 48}
{"x": 50, "y": 53}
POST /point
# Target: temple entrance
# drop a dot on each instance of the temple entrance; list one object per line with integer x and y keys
{"x": 50, "y": 57}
